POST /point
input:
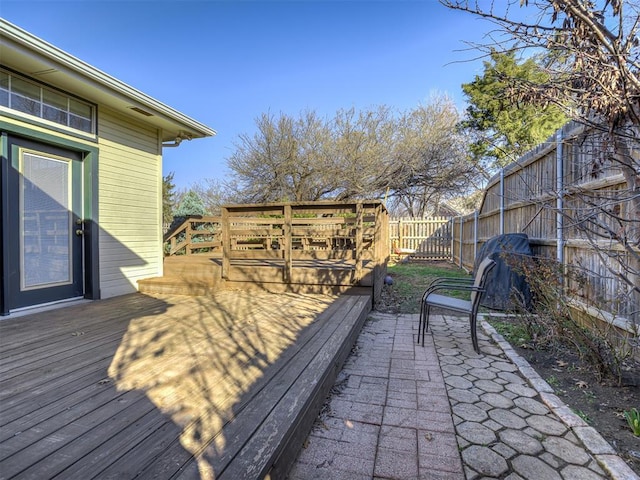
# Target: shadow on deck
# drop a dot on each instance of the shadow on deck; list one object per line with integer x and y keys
{"x": 166, "y": 386}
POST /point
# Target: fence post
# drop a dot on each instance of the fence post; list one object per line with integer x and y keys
{"x": 501, "y": 201}
{"x": 461, "y": 239}
{"x": 475, "y": 235}
{"x": 559, "y": 199}
{"x": 187, "y": 237}
{"x": 288, "y": 245}
{"x": 359, "y": 241}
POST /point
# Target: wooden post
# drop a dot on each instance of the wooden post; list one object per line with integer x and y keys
{"x": 225, "y": 225}
{"x": 359, "y": 242}
{"x": 461, "y": 239}
{"x": 377, "y": 236}
{"x": 381, "y": 251}
{"x": 288, "y": 245}
{"x": 187, "y": 238}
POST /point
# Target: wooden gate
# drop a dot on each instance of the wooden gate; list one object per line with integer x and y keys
{"x": 427, "y": 238}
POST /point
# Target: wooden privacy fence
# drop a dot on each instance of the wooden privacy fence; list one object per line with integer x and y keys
{"x": 425, "y": 238}
{"x": 545, "y": 194}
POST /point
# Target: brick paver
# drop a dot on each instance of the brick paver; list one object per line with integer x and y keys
{"x": 404, "y": 411}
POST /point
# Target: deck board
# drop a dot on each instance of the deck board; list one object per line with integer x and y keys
{"x": 162, "y": 386}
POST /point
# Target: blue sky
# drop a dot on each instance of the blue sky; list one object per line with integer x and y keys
{"x": 224, "y": 63}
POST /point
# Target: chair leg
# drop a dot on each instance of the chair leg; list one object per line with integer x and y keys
{"x": 420, "y": 320}
{"x": 474, "y": 333}
{"x": 425, "y": 323}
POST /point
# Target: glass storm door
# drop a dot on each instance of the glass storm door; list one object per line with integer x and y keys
{"x": 46, "y": 262}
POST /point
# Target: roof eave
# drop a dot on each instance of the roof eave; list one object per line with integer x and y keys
{"x": 123, "y": 96}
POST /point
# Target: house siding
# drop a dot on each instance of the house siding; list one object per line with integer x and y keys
{"x": 130, "y": 203}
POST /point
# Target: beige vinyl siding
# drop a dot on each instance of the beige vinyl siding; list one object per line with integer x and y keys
{"x": 130, "y": 178}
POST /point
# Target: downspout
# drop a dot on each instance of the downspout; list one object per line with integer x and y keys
{"x": 179, "y": 138}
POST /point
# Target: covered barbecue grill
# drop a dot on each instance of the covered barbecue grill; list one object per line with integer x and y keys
{"x": 503, "y": 282}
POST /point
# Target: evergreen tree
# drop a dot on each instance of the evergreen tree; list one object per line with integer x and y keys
{"x": 168, "y": 198}
{"x": 190, "y": 204}
{"x": 504, "y": 129}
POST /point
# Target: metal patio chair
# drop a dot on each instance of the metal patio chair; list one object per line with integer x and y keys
{"x": 476, "y": 286}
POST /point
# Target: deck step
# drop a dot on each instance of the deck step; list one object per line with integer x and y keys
{"x": 202, "y": 275}
{"x": 300, "y": 394}
{"x": 185, "y": 275}
{"x": 174, "y": 285}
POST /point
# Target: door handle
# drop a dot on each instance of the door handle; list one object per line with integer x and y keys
{"x": 79, "y": 232}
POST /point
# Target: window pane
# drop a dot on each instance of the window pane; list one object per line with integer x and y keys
{"x": 24, "y": 104}
{"x": 80, "y": 109}
{"x": 45, "y": 221}
{"x": 80, "y": 123}
{"x": 81, "y": 115}
{"x": 25, "y": 89}
{"x": 4, "y": 89}
{"x": 54, "y": 99}
{"x": 54, "y": 114}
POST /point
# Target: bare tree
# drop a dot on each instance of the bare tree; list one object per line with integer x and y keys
{"x": 285, "y": 160}
{"x": 592, "y": 54}
{"x": 414, "y": 158}
{"x": 429, "y": 161}
{"x": 214, "y": 193}
{"x": 361, "y": 145}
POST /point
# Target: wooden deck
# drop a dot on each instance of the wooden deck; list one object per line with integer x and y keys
{"x": 315, "y": 247}
{"x": 223, "y": 386}
{"x": 201, "y": 275}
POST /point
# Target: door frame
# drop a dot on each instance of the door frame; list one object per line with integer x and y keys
{"x": 89, "y": 153}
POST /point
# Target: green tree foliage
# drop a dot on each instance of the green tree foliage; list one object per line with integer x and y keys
{"x": 168, "y": 198}
{"x": 190, "y": 204}
{"x": 503, "y": 127}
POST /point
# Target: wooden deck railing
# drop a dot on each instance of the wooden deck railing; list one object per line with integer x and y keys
{"x": 194, "y": 235}
{"x": 348, "y": 235}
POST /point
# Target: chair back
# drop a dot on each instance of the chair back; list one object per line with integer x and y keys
{"x": 479, "y": 282}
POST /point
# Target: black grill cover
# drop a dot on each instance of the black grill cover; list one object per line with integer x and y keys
{"x": 502, "y": 281}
